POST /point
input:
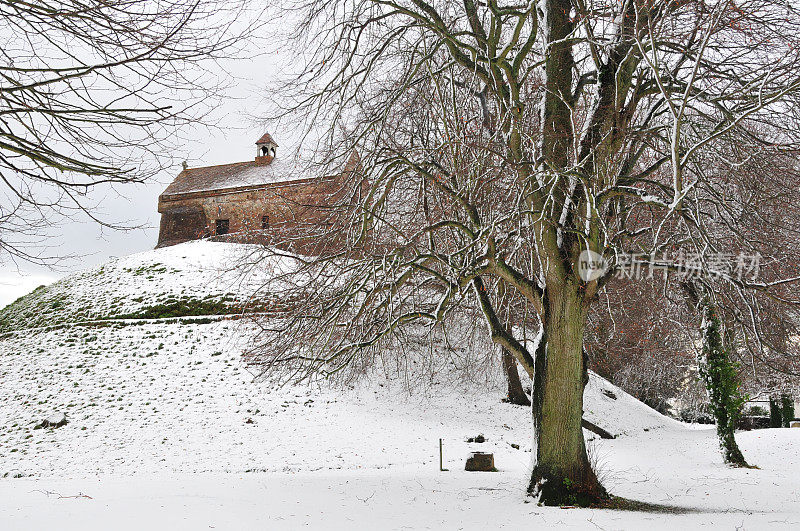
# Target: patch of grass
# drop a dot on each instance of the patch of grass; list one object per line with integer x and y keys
{"x": 624, "y": 504}
{"x": 185, "y": 307}
{"x": 85, "y": 298}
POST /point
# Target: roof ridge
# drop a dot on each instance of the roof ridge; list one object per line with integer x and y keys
{"x": 231, "y": 175}
{"x": 221, "y": 165}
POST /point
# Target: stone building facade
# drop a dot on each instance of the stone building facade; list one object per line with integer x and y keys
{"x": 267, "y": 200}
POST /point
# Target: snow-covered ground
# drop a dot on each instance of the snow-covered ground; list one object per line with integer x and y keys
{"x": 167, "y": 430}
{"x": 199, "y": 270}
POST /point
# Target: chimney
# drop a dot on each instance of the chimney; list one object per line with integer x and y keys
{"x": 265, "y": 150}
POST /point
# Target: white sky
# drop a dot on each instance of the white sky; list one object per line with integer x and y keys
{"x": 238, "y": 126}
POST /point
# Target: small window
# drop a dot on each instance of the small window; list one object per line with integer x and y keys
{"x": 264, "y": 222}
{"x": 223, "y": 226}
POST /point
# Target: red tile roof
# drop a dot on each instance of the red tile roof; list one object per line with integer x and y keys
{"x": 236, "y": 175}
{"x": 240, "y": 175}
{"x": 266, "y": 139}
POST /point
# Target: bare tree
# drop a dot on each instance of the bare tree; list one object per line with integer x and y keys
{"x": 643, "y": 335}
{"x": 90, "y": 93}
{"x": 527, "y": 142}
{"x": 515, "y": 393}
{"x": 641, "y": 338}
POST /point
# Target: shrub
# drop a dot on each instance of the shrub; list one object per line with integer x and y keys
{"x": 775, "y": 414}
{"x": 787, "y": 410}
{"x": 756, "y": 411}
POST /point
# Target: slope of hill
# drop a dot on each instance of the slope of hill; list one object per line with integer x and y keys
{"x": 147, "y": 390}
{"x": 195, "y": 278}
{"x": 164, "y": 402}
{"x": 175, "y": 397}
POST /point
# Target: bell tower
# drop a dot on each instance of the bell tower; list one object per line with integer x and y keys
{"x": 265, "y": 150}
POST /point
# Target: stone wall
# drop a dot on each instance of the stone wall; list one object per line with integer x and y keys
{"x": 182, "y": 222}
{"x": 297, "y": 214}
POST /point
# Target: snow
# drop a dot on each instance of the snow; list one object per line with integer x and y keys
{"x": 418, "y": 497}
{"x": 161, "y": 436}
{"x": 167, "y": 430}
{"x": 197, "y": 269}
{"x": 236, "y": 175}
{"x": 172, "y": 397}
{"x": 619, "y": 413}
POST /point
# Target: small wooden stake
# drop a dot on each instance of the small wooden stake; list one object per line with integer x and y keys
{"x": 441, "y": 459}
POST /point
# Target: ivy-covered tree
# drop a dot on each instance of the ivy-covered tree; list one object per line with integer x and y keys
{"x": 775, "y": 413}
{"x": 722, "y": 382}
{"x": 787, "y": 410}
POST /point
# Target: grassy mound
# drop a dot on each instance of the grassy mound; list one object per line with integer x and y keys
{"x": 194, "y": 279}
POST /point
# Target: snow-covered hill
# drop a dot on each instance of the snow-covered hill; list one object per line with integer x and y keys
{"x": 176, "y": 397}
{"x": 158, "y": 394}
{"x": 161, "y": 403}
{"x": 197, "y": 278}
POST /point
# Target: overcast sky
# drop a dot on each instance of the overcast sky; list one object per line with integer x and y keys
{"x": 237, "y": 127}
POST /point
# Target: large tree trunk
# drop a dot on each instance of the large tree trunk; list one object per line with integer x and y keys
{"x": 516, "y": 395}
{"x": 562, "y": 474}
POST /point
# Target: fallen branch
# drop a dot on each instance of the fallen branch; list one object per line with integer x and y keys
{"x": 597, "y": 430}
